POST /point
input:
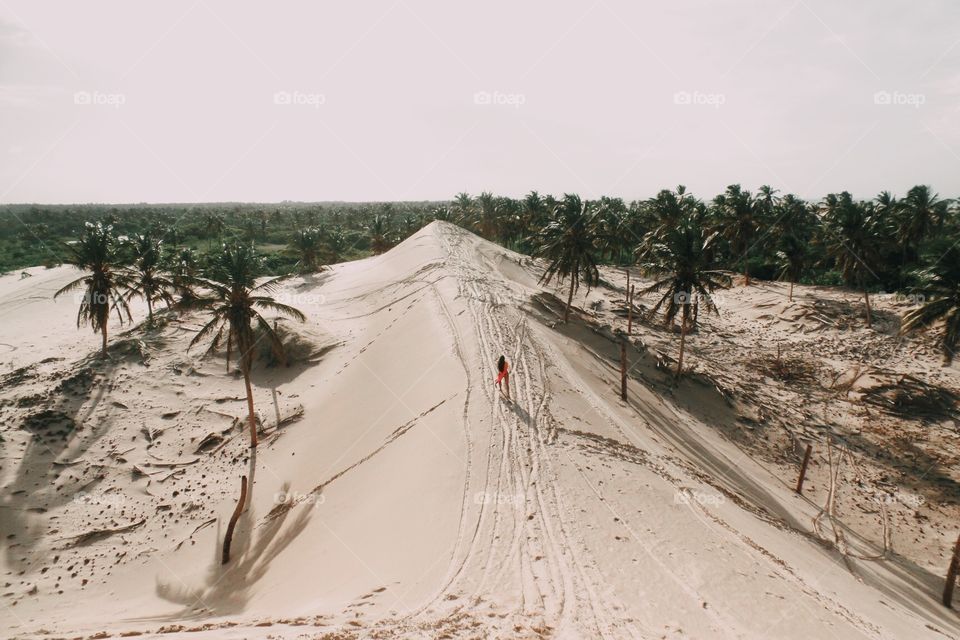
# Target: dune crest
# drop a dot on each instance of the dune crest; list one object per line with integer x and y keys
{"x": 396, "y": 492}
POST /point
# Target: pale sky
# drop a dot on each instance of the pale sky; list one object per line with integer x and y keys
{"x": 413, "y": 99}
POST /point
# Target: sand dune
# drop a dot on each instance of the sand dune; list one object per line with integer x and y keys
{"x": 414, "y": 500}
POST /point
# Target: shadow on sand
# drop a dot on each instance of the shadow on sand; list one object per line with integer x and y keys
{"x": 226, "y": 589}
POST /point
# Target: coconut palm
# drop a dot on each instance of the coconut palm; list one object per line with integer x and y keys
{"x": 146, "y": 276}
{"x": 568, "y": 242}
{"x": 487, "y": 221}
{"x": 661, "y": 213}
{"x": 307, "y": 245}
{"x": 736, "y": 219}
{"x": 334, "y": 244}
{"x": 183, "y": 267}
{"x": 852, "y": 238}
{"x": 214, "y": 226}
{"x": 234, "y": 299}
{"x": 919, "y": 213}
{"x": 794, "y": 229}
{"x": 98, "y": 253}
{"x": 941, "y": 295}
{"x": 682, "y": 257}
{"x": 379, "y": 234}
{"x": 462, "y": 209}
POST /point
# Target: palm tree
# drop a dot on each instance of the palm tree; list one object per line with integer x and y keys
{"x": 736, "y": 215}
{"x": 146, "y": 277}
{"x": 235, "y": 301}
{"x": 214, "y": 226}
{"x": 568, "y": 242}
{"x": 794, "y": 229}
{"x": 183, "y": 268}
{"x": 683, "y": 259}
{"x": 379, "y": 234}
{"x": 335, "y": 242}
{"x": 487, "y": 222}
{"x": 919, "y": 213}
{"x": 306, "y": 244}
{"x": 941, "y": 295}
{"x": 463, "y": 209}
{"x": 661, "y": 213}
{"x": 853, "y": 236}
{"x": 98, "y": 252}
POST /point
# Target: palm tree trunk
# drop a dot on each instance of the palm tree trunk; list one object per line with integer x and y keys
{"x": 228, "y": 538}
{"x": 103, "y": 333}
{"x": 566, "y": 315}
{"x": 683, "y": 340}
{"x": 149, "y": 310}
{"x": 251, "y": 417}
{"x": 866, "y": 297}
{"x": 229, "y": 347}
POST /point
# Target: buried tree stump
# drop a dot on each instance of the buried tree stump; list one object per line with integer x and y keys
{"x": 623, "y": 368}
{"x": 228, "y": 538}
{"x": 803, "y": 468}
{"x": 952, "y": 574}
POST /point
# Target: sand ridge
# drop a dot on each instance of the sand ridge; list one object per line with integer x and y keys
{"x": 412, "y": 500}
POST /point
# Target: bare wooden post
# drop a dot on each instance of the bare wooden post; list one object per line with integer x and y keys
{"x": 623, "y": 368}
{"x": 952, "y": 575}
{"x": 627, "y": 271}
{"x": 803, "y": 468}
{"x": 630, "y": 311}
{"x": 227, "y": 539}
{"x": 276, "y": 405}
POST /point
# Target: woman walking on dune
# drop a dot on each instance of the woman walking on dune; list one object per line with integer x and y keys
{"x": 503, "y": 375}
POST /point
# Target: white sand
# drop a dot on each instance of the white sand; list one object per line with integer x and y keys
{"x": 426, "y": 505}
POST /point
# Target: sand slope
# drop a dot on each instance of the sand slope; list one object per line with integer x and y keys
{"x": 417, "y": 501}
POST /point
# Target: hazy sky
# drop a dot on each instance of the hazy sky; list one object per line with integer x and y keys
{"x": 411, "y": 99}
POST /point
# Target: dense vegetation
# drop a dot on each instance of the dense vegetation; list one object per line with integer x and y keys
{"x": 886, "y": 244}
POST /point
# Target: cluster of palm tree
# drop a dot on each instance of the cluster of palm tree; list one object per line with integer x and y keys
{"x": 223, "y": 285}
{"x": 883, "y": 244}
{"x": 678, "y": 251}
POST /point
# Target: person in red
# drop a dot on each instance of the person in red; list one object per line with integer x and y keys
{"x": 504, "y": 375}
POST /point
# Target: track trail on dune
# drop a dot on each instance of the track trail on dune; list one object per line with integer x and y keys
{"x": 517, "y": 549}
